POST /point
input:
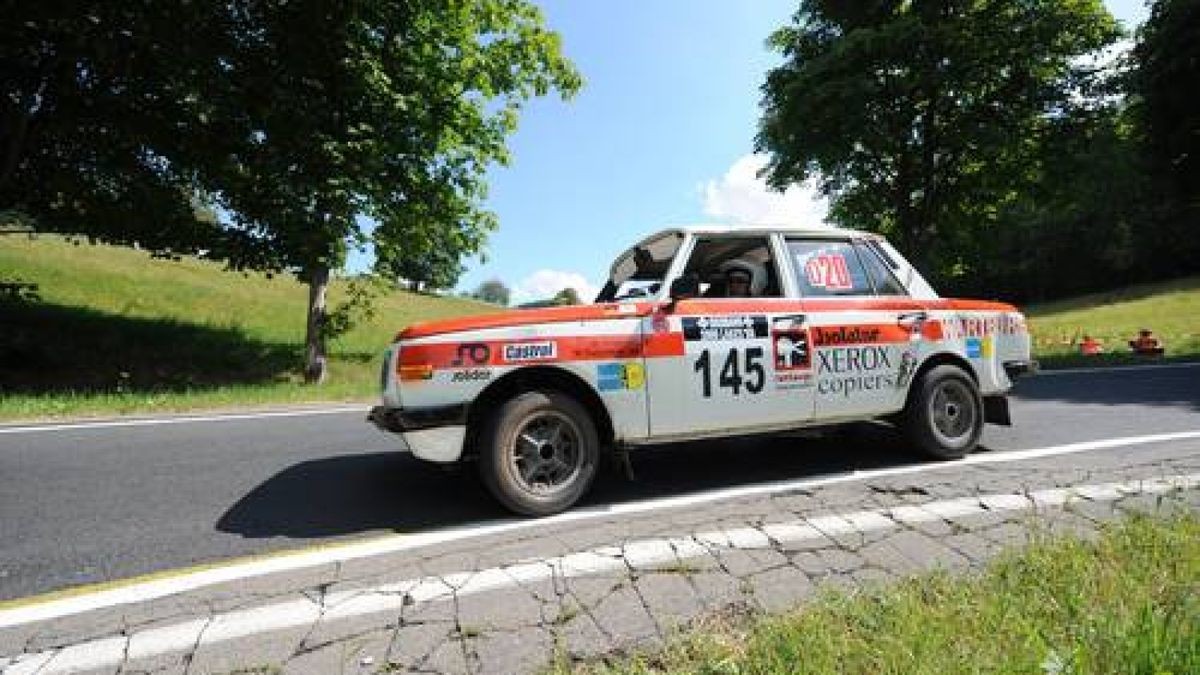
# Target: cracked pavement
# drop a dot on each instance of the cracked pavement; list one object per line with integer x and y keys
{"x": 512, "y": 601}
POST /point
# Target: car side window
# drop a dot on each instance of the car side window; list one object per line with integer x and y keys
{"x": 828, "y": 268}
{"x": 881, "y": 275}
{"x": 718, "y": 261}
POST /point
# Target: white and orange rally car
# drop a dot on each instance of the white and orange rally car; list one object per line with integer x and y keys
{"x": 703, "y": 332}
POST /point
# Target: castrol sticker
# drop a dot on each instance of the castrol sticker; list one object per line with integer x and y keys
{"x": 524, "y": 352}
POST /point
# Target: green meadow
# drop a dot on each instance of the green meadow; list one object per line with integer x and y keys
{"x": 116, "y": 331}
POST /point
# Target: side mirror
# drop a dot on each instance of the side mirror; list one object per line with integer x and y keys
{"x": 687, "y": 286}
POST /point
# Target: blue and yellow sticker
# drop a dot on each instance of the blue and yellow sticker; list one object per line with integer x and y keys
{"x": 980, "y": 348}
{"x": 617, "y": 376}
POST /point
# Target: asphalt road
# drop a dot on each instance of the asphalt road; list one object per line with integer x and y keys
{"x": 89, "y": 505}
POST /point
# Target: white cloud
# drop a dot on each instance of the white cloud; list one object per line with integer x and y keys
{"x": 741, "y": 197}
{"x": 545, "y": 284}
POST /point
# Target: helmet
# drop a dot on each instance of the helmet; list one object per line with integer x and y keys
{"x": 758, "y": 274}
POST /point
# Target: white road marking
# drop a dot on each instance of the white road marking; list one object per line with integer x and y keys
{"x": 648, "y": 554}
{"x": 303, "y": 559}
{"x": 1117, "y": 369}
{"x": 183, "y": 419}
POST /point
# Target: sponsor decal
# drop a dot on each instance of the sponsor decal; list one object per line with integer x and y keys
{"x": 791, "y": 350}
{"x": 828, "y": 271}
{"x": 836, "y": 336}
{"x": 472, "y": 375}
{"x": 737, "y": 327}
{"x": 981, "y": 348}
{"x": 974, "y": 348}
{"x": 959, "y": 328}
{"x": 618, "y": 376}
{"x": 793, "y": 359}
{"x": 518, "y": 352}
{"x": 471, "y": 354}
{"x": 850, "y": 370}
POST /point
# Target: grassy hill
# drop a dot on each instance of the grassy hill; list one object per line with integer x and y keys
{"x": 118, "y": 331}
{"x": 1170, "y": 309}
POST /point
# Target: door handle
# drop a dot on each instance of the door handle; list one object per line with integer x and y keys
{"x": 909, "y": 318}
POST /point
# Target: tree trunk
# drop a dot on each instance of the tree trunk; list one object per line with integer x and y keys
{"x": 315, "y": 368}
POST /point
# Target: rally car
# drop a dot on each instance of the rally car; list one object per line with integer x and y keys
{"x": 703, "y": 332}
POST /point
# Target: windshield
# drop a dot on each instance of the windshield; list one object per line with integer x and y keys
{"x": 638, "y": 273}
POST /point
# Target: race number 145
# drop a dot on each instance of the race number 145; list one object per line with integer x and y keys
{"x": 741, "y": 368}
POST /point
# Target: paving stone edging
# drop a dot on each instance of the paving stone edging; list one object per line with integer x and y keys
{"x": 584, "y": 601}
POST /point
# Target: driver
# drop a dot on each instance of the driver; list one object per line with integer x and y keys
{"x": 743, "y": 278}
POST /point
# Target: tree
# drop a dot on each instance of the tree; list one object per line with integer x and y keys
{"x": 424, "y": 262}
{"x": 919, "y": 119}
{"x": 567, "y": 296}
{"x": 493, "y": 291}
{"x": 298, "y": 119}
{"x": 1164, "y": 83}
{"x": 99, "y": 115}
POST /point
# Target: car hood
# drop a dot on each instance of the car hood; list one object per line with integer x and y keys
{"x": 524, "y": 317}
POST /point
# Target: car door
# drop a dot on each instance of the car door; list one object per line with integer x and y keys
{"x": 743, "y": 363}
{"x": 864, "y": 331}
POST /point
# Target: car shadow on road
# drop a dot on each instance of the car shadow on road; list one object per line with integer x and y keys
{"x": 395, "y": 492}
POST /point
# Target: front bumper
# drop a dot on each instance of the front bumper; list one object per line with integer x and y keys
{"x": 432, "y": 434}
{"x": 401, "y": 420}
{"x": 1018, "y": 369}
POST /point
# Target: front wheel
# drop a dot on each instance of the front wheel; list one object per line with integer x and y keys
{"x": 944, "y": 417}
{"x": 538, "y": 452}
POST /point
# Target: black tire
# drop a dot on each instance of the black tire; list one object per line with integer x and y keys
{"x": 538, "y": 452}
{"x": 944, "y": 416}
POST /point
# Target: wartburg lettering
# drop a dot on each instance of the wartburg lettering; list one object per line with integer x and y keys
{"x": 672, "y": 349}
{"x": 530, "y": 351}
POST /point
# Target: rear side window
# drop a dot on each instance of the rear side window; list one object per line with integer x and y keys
{"x": 828, "y": 268}
{"x": 881, "y": 275}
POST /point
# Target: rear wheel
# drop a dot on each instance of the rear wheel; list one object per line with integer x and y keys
{"x": 944, "y": 417}
{"x": 538, "y": 452}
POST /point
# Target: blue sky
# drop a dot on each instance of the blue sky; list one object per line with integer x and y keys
{"x": 661, "y": 134}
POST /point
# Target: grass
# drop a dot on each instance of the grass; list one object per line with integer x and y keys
{"x": 117, "y": 332}
{"x": 1127, "y": 603}
{"x": 1170, "y": 309}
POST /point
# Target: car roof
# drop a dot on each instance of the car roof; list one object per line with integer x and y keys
{"x": 719, "y": 228}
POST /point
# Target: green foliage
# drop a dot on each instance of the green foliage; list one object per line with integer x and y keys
{"x": 357, "y": 307}
{"x": 1085, "y": 202}
{"x": 492, "y": 291}
{"x": 97, "y": 122}
{"x": 1126, "y": 603}
{"x": 567, "y": 296}
{"x": 1164, "y": 103}
{"x": 921, "y": 119}
{"x": 299, "y": 119}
